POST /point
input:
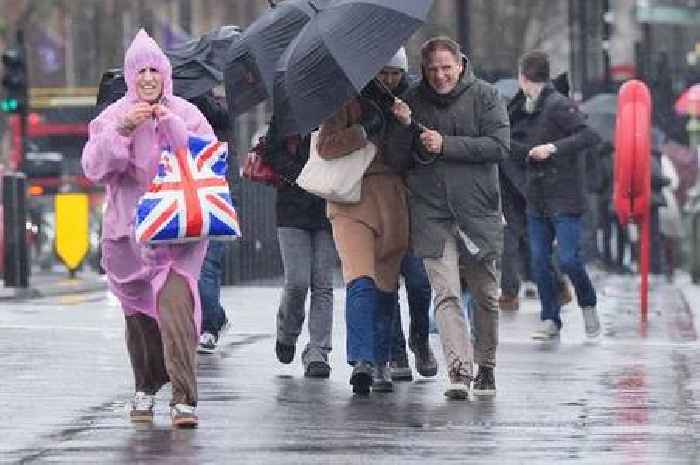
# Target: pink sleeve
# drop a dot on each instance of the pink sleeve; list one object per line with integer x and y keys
{"x": 106, "y": 153}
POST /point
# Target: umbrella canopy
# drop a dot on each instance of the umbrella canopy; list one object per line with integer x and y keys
{"x": 251, "y": 62}
{"x": 689, "y": 101}
{"x": 198, "y": 64}
{"x": 339, "y": 51}
{"x": 602, "y": 113}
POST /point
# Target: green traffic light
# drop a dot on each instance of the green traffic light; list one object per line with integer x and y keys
{"x": 9, "y": 105}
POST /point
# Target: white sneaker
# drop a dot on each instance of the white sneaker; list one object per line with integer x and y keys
{"x": 591, "y": 321}
{"x": 207, "y": 343}
{"x": 547, "y": 330}
{"x": 141, "y": 408}
{"x": 183, "y": 416}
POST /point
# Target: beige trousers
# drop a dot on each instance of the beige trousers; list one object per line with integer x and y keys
{"x": 166, "y": 350}
{"x": 483, "y": 283}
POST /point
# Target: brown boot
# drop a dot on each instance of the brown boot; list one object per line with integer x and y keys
{"x": 508, "y": 303}
{"x": 564, "y": 293}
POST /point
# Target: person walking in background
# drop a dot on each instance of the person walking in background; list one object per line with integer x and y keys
{"x": 553, "y": 143}
{"x": 452, "y": 174}
{"x": 156, "y": 285}
{"x": 214, "y": 320}
{"x": 394, "y": 77}
{"x": 515, "y": 264}
{"x": 371, "y": 237}
{"x": 671, "y": 224}
{"x": 308, "y": 257}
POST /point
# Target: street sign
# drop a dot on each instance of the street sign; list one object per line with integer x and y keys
{"x": 667, "y": 14}
{"x": 72, "y": 230}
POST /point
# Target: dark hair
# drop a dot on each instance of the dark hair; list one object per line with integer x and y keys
{"x": 440, "y": 43}
{"x": 535, "y": 66}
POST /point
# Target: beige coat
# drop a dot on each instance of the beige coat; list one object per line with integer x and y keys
{"x": 371, "y": 236}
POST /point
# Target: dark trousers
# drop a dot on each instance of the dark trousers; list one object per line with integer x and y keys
{"x": 419, "y": 294}
{"x": 213, "y": 315}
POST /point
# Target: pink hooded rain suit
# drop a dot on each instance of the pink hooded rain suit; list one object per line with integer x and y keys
{"x": 126, "y": 165}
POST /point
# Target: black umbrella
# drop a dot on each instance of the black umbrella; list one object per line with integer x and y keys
{"x": 339, "y": 51}
{"x": 198, "y": 64}
{"x": 602, "y": 111}
{"x": 251, "y": 62}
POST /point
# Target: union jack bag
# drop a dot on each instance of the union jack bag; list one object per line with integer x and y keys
{"x": 189, "y": 198}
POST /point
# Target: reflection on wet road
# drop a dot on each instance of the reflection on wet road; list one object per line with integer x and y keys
{"x": 623, "y": 399}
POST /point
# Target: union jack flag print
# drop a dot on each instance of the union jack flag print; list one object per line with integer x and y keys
{"x": 189, "y": 198}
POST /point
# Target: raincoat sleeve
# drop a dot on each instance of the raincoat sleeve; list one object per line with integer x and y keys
{"x": 179, "y": 125}
{"x": 338, "y": 136}
{"x": 579, "y": 137}
{"x": 493, "y": 141}
{"x": 106, "y": 153}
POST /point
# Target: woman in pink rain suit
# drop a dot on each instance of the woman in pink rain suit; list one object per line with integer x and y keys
{"x": 156, "y": 285}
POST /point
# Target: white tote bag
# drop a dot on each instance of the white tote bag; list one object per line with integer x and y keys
{"x": 338, "y": 180}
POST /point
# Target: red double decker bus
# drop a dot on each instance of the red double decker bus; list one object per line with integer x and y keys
{"x": 56, "y": 131}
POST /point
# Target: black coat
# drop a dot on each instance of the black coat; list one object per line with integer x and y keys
{"x": 555, "y": 185}
{"x": 295, "y": 207}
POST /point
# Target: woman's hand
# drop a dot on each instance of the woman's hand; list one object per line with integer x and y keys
{"x": 136, "y": 115}
{"x": 402, "y": 112}
{"x": 161, "y": 112}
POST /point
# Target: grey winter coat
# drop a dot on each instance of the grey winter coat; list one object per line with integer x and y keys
{"x": 461, "y": 186}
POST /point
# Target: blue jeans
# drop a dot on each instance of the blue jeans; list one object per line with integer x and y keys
{"x": 418, "y": 293}
{"x": 213, "y": 315}
{"x": 566, "y": 229}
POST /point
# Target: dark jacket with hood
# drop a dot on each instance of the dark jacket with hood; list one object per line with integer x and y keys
{"x": 555, "y": 185}
{"x": 461, "y": 185}
{"x": 295, "y": 207}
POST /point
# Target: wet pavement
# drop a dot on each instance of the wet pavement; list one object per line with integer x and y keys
{"x": 625, "y": 398}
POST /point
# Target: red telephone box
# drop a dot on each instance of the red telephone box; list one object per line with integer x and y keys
{"x": 632, "y": 170}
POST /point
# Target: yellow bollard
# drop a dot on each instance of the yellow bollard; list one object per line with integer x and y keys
{"x": 72, "y": 229}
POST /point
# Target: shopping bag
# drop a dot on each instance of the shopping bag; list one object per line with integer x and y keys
{"x": 338, "y": 180}
{"x": 189, "y": 198}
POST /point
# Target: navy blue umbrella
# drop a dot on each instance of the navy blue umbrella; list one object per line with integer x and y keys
{"x": 337, "y": 53}
{"x": 251, "y": 62}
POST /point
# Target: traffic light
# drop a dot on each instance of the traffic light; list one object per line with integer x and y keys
{"x": 14, "y": 81}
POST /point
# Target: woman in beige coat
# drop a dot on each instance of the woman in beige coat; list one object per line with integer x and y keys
{"x": 371, "y": 237}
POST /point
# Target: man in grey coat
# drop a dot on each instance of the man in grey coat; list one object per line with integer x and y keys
{"x": 449, "y": 135}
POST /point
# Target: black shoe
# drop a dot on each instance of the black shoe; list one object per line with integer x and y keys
{"x": 426, "y": 365}
{"x": 485, "y": 382}
{"x": 317, "y": 370}
{"x": 361, "y": 378}
{"x": 285, "y": 353}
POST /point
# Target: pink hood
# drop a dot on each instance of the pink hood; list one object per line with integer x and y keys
{"x": 145, "y": 52}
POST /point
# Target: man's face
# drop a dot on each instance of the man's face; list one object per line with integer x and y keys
{"x": 149, "y": 85}
{"x": 442, "y": 69}
{"x": 391, "y": 77}
{"x": 525, "y": 84}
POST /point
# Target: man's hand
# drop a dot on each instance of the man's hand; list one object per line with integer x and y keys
{"x": 432, "y": 141}
{"x": 136, "y": 115}
{"x": 542, "y": 152}
{"x": 402, "y": 112}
